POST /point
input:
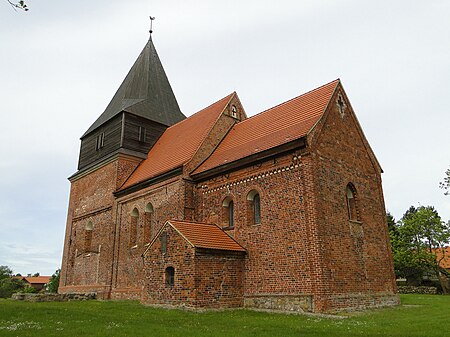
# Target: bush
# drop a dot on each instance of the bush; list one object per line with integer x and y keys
{"x": 9, "y": 286}
{"x": 28, "y": 290}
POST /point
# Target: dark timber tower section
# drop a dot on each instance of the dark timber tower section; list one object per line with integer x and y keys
{"x": 142, "y": 108}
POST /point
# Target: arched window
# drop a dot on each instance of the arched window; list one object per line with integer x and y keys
{"x": 134, "y": 221}
{"x": 351, "y": 202}
{"x": 148, "y": 223}
{"x": 170, "y": 276}
{"x": 228, "y": 212}
{"x": 253, "y": 208}
{"x": 88, "y": 236}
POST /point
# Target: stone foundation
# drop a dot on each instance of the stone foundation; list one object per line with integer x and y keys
{"x": 53, "y": 297}
{"x": 417, "y": 290}
{"x": 302, "y": 303}
{"x": 356, "y": 302}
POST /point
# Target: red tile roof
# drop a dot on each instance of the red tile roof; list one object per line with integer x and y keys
{"x": 444, "y": 262}
{"x": 178, "y": 143}
{"x": 37, "y": 279}
{"x": 281, "y": 124}
{"x": 203, "y": 235}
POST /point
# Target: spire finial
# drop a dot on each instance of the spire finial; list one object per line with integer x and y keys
{"x": 151, "y": 24}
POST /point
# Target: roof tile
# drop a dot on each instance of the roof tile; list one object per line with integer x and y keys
{"x": 178, "y": 143}
{"x": 278, "y": 125}
{"x": 38, "y": 279}
{"x": 208, "y": 236}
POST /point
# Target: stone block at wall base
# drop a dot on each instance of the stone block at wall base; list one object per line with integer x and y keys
{"x": 357, "y": 302}
{"x": 300, "y": 303}
{"x": 43, "y": 297}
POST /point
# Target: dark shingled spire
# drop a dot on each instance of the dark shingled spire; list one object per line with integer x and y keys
{"x": 145, "y": 92}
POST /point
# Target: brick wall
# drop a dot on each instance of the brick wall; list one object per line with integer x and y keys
{"x": 355, "y": 255}
{"x": 180, "y": 256}
{"x": 219, "y": 279}
{"x": 279, "y": 248}
{"x": 92, "y": 203}
{"x": 167, "y": 200}
{"x": 206, "y": 278}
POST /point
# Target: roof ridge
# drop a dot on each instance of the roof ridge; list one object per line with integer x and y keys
{"x": 195, "y": 113}
{"x": 230, "y": 97}
{"x": 193, "y": 222}
{"x": 290, "y": 100}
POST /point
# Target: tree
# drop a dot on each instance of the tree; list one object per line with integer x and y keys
{"x": 9, "y": 284}
{"x": 18, "y": 5}
{"x": 414, "y": 239}
{"x": 445, "y": 183}
{"x": 53, "y": 284}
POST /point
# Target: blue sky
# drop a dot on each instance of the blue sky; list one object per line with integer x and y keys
{"x": 61, "y": 63}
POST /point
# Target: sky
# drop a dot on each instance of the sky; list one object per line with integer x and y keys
{"x": 62, "y": 61}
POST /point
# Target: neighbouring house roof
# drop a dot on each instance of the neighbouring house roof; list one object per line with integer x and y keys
{"x": 281, "y": 124}
{"x": 443, "y": 256}
{"x": 178, "y": 143}
{"x": 37, "y": 279}
{"x": 203, "y": 235}
{"x": 145, "y": 92}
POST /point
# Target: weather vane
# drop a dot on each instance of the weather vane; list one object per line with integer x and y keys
{"x": 151, "y": 23}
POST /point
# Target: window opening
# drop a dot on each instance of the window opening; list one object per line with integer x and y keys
{"x": 134, "y": 227}
{"x": 88, "y": 236}
{"x": 170, "y": 276}
{"x": 142, "y": 134}
{"x": 351, "y": 203}
{"x": 228, "y": 212}
{"x": 231, "y": 214}
{"x": 163, "y": 239}
{"x": 148, "y": 223}
{"x": 100, "y": 141}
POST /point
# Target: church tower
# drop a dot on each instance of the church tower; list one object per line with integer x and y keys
{"x": 141, "y": 110}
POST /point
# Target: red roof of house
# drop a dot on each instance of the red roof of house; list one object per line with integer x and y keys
{"x": 281, "y": 124}
{"x": 445, "y": 261}
{"x": 203, "y": 235}
{"x": 178, "y": 143}
{"x": 38, "y": 279}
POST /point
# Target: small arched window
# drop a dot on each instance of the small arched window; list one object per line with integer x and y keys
{"x": 148, "y": 222}
{"x": 253, "y": 208}
{"x": 352, "y": 209}
{"x": 228, "y": 212}
{"x": 134, "y": 221}
{"x": 88, "y": 236}
{"x": 170, "y": 276}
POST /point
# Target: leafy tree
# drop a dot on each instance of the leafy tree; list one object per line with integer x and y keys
{"x": 53, "y": 284}
{"x": 445, "y": 183}
{"x": 5, "y": 272}
{"x": 8, "y": 284}
{"x": 36, "y": 274}
{"x": 392, "y": 226}
{"x": 413, "y": 239}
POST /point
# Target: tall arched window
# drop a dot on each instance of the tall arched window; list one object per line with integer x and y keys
{"x": 88, "y": 236}
{"x": 228, "y": 212}
{"x": 148, "y": 223}
{"x": 253, "y": 208}
{"x": 351, "y": 202}
{"x": 134, "y": 221}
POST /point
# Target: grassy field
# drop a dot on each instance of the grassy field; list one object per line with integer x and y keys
{"x": 419, "y": 315}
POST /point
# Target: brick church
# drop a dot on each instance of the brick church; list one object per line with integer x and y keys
{"x": 282, "y": 210}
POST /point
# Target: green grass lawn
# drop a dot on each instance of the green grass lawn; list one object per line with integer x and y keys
{"x": 419, "y": 315}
